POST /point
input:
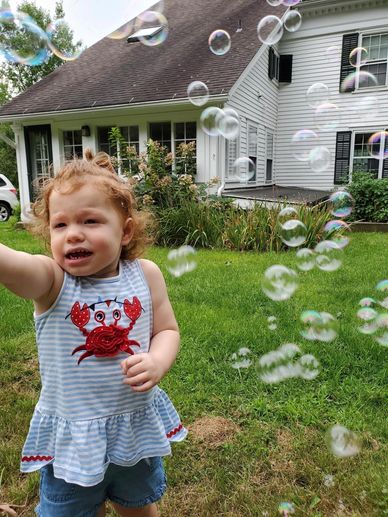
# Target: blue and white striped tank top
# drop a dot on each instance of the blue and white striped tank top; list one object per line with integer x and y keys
{"x": 86, "y": 417}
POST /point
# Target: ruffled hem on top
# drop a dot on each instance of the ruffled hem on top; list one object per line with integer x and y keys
{"x": 81, "y": 451}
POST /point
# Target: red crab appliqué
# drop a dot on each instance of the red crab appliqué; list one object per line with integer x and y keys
{"x": 106, "y": 340}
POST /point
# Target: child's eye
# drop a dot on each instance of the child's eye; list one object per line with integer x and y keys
{"x": 59, "y": 225}
{"x": 90, "y": 221}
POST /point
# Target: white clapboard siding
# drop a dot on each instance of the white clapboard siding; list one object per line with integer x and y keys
{"x": 310, "y": 65}
{"x": 244, "y": 98}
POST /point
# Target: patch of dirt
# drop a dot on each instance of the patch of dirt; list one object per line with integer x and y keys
{"x": 213, "y": 431}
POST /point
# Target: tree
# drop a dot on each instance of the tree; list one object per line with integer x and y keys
{"x": 26, "y": 42}
{"x": 16, "y": 77}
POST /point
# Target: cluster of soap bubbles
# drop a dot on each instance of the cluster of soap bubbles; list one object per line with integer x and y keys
{"x": 287, "y": 362}
{"x": 216, "y": 121}
{"x": 270, "y": 29}
{"x": 342, "y": 442}
{"x": 373, "y": 315}
{"x": 280, "y": 282}
{"x": 40, "y": 42}
{"x": 327, "y": 115}
{"x": 181, "y": 261}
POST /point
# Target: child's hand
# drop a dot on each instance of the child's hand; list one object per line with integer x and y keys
{"x": 142, "y": 371}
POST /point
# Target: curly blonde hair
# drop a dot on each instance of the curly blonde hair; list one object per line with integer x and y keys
{"x": 100, "y": 170}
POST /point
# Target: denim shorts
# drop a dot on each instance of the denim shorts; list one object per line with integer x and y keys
{"x": 131, "y": 487}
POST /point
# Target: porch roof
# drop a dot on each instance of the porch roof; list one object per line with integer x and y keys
{"x": 118, "y": 73}
{"x": 277, "y": 194}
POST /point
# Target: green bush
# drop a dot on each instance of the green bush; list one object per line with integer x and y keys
{"x": 370, "y": 196}
{"x": 215, "y": 223}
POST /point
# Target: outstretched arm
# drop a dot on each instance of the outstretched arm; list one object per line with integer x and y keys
{"x": 143, "y": 371}
{"x": 28, "y": 276}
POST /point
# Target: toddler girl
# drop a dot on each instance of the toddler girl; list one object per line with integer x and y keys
{"x": 106, "y": 335}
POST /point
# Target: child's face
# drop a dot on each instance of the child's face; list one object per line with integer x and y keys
{"x": 87, "y": 232}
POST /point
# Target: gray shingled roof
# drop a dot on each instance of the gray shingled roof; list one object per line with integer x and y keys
{"x": 115, "y": 72}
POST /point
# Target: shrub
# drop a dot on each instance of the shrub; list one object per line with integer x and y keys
{"x": 371, "y": 197}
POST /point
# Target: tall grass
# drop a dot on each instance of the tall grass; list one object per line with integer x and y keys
{"x": 222, "y": 225}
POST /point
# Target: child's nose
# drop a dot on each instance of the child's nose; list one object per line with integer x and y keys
{"x": 74, "y": 233}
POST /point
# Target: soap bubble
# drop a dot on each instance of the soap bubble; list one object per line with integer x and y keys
{"x": 376, "y": 142}
{"x": 274, "y": 3}
{"x": 367, "y": 314}
{"x": 337, "y": 231}
{"x": 148, "y": 20}
{"x": 367, "y": 302}
{"x": 229, "y": 126}
{"x": 341, "y": 204}
{"x": 33, "y": 50}
{"x": 303, "y": 143}
{"x": 272, "y": 323}
{"x": 241, "y": 359}
{"x": 329, "y": 256}
{"x": 317, "y": 94}
{"x": 286, "y": 214}
{"x": 219, "y": 42}
{"x": 358, "y": 79}
{"x": 291, "y": 3}
{"x": 181, "y": 261}
{"x": 279, "y": 282}
{"x": 319, "y": 159}
{"x": 52, "y": 30}
{"x": 124, "y": 31}
{"x": 293, "y": 233}
{"x": 305, "y": 259}
{"x": 270, "y": 29}
{"x": 358, "y": 56}
{"x": 382, "y": 290}
{"x": 277, "y": 365}
{"x": 327, "y": 116}
{"x": 382, "y": 329}
{"x": 286, "y": 508}
{"x": 342, "y": 442}
{"x": 328, "y": 480}
{"x": 209, "y": 120}
{"x": 198, "y": 93}
{"x": 244, "y": 169}
{"x": 292, "y": 21}
{"x": 309, "y": 367}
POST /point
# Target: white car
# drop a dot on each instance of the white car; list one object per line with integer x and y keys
{"x": 8, "y": 198}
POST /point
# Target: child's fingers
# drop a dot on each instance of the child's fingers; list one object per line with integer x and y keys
{"x": 137, "y": 379}
{"x": 144, "y": 387}
{"x": 130, "y": 361}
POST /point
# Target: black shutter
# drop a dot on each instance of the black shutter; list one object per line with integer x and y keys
{"x": 285, "y": 68}
{"x": 342, "y": 157}
{"x": 385, "y": 168}
{"x": 271, "y": 63}
{"x": 349, "y": 42}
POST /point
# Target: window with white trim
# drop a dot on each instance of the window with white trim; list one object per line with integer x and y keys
{"x": 130, "y": 135}
{"x": 161, "y": 132}
{"x": 72, "y": 144}
{"x": 184, "y": 133}
{"x": 369, "y": 157}
{"x": 376, "y": 58}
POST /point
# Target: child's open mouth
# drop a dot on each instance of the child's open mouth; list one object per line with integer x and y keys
{"x": 78, "y": 255}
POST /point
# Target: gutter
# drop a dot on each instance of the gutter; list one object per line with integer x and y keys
{"x": 94, "y": 109}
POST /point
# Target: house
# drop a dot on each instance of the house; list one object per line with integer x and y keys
{"x": 143, "y": 90}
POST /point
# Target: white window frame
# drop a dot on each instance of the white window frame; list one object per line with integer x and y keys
{"x": 272, "y": 133}
{"x": 359, "y": 67}
{"x": 256, "y": 126}
{"x": 353, "y": 157}
{"x": 73, "y": 145}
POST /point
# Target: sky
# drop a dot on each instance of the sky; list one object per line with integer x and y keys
{"x": 91, "y": 20}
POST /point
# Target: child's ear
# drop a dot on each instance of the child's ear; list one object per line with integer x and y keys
{"x": 128, "y": 231}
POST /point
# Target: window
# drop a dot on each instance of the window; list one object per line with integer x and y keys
{"x": 72, "y": 144}
{"x": 161, "y": 132}
{"x": 279, "y": 66}
{"x": 362, "y": 159}
{"x": 184, "y": 133}
{"x": 252, "y": 149}
{"x": 376, "y": 46}
{"x": 269, "y": 160}
{"x": 130, "y": 135}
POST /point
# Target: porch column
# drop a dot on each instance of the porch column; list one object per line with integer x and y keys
{"x": 21, "y": 160}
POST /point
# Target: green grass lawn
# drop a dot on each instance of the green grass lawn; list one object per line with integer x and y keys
{"x": 251, "y": 445}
